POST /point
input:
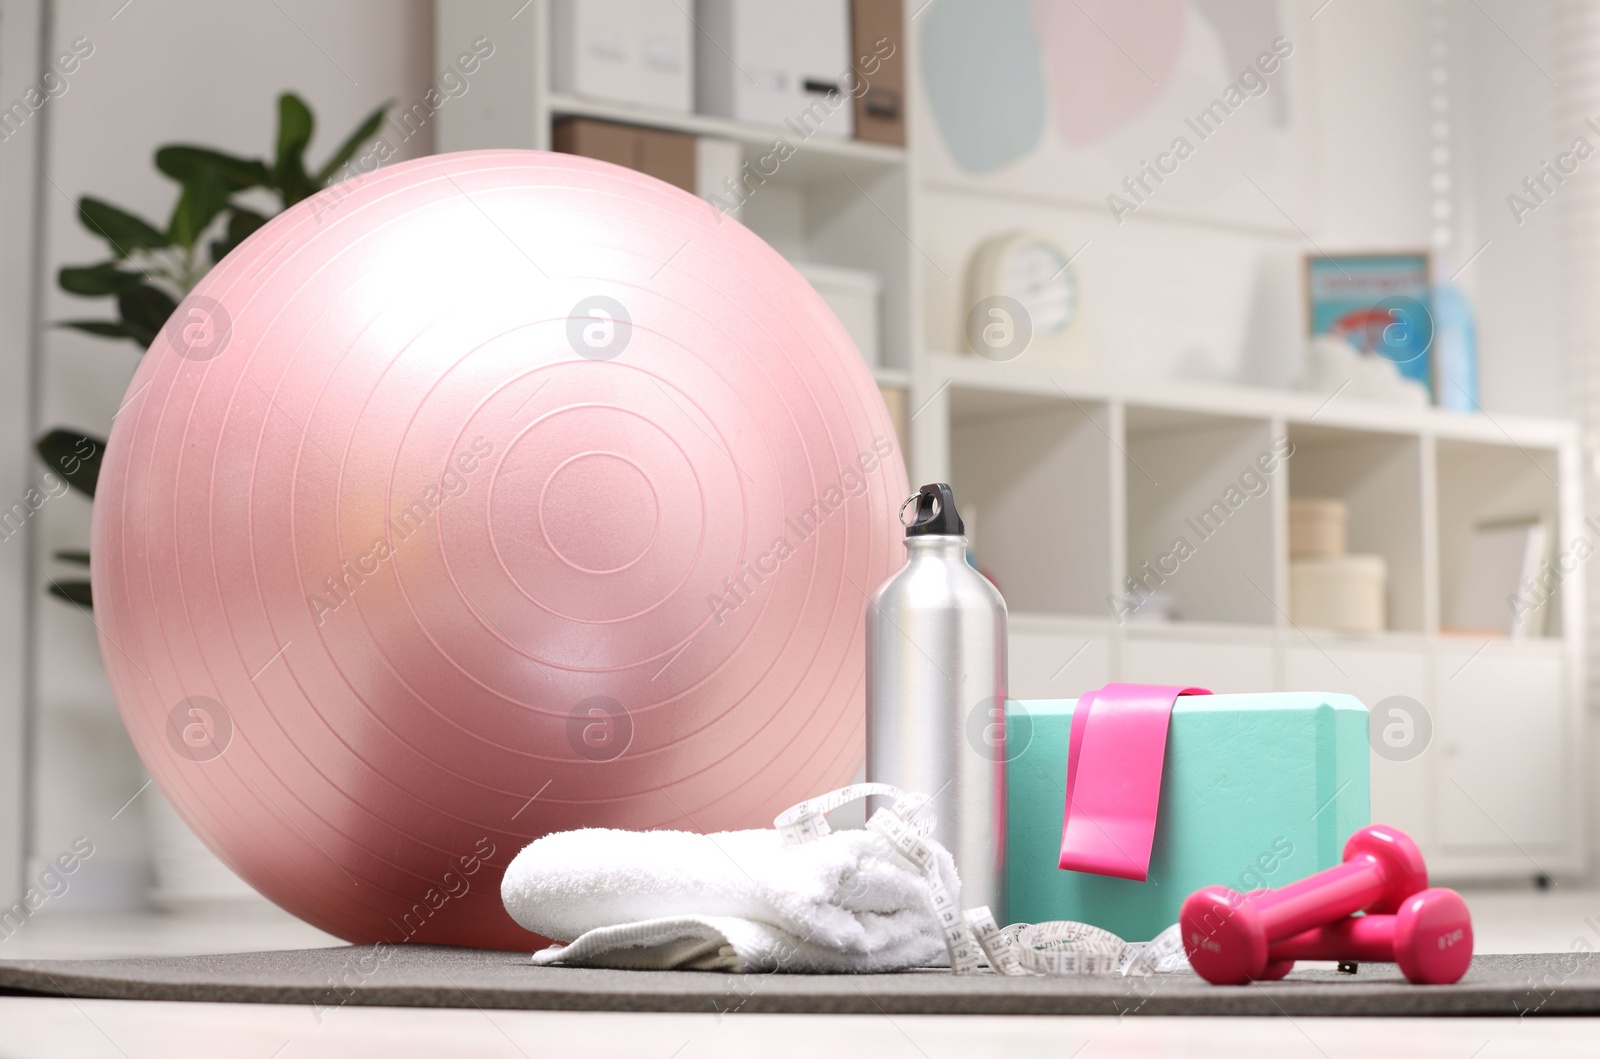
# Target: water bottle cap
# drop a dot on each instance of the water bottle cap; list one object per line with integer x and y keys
{"x": 935, "y": 512}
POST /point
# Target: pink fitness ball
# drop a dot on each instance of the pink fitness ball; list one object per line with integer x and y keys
{"x": 479, "y": 497}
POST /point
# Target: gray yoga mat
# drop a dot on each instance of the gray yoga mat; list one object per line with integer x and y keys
{"x": 432, "y": 976}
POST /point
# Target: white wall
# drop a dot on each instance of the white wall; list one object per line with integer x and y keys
{"x": 1201, "y": 282}
{"x": 1174, "y": 296}
{"x": 1511, "y": 125}
{"x": 176, "y": 71}
{"x": 1373, "y": 87}
{"x": 1370, "y": 115}
{"x": 21, "y": 36}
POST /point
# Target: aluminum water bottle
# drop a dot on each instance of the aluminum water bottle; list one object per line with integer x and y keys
{"x": 936, "y": 692}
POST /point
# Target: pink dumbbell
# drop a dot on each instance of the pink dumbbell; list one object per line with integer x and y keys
{"x": 1430, "y": 938}
{"x": 1228, "y": 934}
{"x": 1275, "y": 970}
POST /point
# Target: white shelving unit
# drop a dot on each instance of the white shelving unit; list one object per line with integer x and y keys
{"x": 1075, "y": 481}
{"x": 832, "y": 202}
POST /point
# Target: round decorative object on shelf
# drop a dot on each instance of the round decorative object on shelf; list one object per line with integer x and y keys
{"x": 479, "y": 497}
{"x": 1021, "y": 293}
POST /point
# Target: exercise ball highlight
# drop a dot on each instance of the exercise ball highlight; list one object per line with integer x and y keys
{"x": 479, "y": 497}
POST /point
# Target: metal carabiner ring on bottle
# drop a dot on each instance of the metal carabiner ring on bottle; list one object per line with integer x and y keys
{"x": 913, "y": 498}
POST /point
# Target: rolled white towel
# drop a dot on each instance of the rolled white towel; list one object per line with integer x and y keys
{"x": 736, "y": 900}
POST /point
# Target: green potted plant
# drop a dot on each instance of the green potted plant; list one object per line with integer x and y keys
{"x": 151, "y": 269}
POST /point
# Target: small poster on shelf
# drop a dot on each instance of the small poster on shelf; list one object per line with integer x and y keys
{"x": 1379, "y": 303}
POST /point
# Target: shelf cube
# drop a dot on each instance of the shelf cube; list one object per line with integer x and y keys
{"x": 776, "y": 64}
{"x": 638, "y": 52}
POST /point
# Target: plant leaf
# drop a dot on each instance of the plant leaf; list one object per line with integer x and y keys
{"x": 295, "y": 126}
{"x": 73, "y": 555}
{"x": 112, "y": 329}
{"x": 242, "y": 224}
{"x": 203, "y": 198}
{"x": 75, "y": 457}
{"x": 77, "y": 592}
{"x": 182, "y": 163}
{"x": 95, "y": 281}
{"x": 146, "y": 307}
{"x": 347, "y": 150}
{"x": 125, "y": 232}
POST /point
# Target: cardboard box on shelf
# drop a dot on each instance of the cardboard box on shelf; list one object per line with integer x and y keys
{"x": 1318, "y": 527}
{"x": 668, "y": 156}
{"x": 894, "y": 398}
{"x": 1344, "y": 592}
{"x": 877, "y": 26}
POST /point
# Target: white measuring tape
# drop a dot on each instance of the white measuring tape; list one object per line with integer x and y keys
{"x": 972, "y": 937}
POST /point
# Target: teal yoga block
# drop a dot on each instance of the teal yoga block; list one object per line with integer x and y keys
{"x": 1256, "y": 791}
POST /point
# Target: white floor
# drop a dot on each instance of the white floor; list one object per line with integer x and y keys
{"x": 133, "y": 1030}
{"x": 1504, "y": 921}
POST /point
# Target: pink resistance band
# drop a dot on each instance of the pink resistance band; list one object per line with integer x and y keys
{"x": 1115, "y": 754}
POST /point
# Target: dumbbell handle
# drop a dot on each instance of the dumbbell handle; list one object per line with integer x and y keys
{"x": 1322, "y": 898}
{"x": 1368, "y": 938}
{"x": 1430, "y": 938}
